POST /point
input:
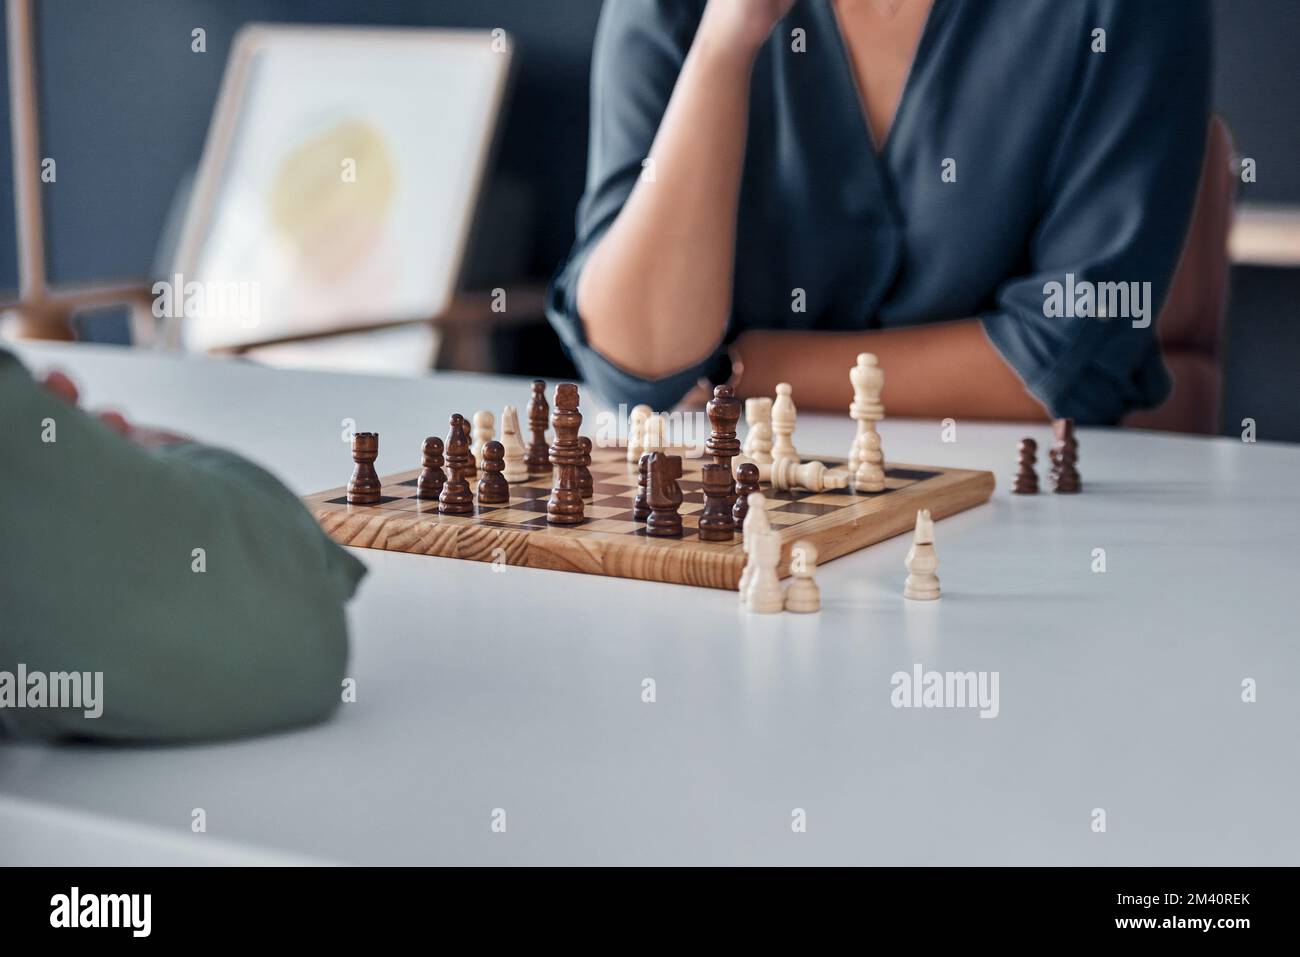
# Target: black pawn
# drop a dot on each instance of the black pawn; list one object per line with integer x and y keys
{"x": 746, "y": 484}
{"x": 1026, "y": 480}
{"x": 432, "y": 477}
{"x": 493, "y": 489}
{"x": 641, "y": 505}
{"x": 586, "y": 487}
{"x": 1064, "y": 476}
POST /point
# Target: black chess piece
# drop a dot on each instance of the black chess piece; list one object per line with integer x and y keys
{"x": 665, "y": 496}
{"x": 364, "y": 487}
{"x": 641, "y": 504}
{"x": 586, "y": 486}
{"x": 565, "y": 507}
{"x": 1064, "y": 477}
{"x": 456, "y": 497}
{"x": 716, "y": 521}
{"x": 746, "y": 485}
{"x": 1026, "y": 480}
{"x": 432, "y": 477}
{"x": 493, "y": 489}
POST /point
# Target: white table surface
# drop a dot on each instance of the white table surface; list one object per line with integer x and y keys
{"x": 522, "y": 690}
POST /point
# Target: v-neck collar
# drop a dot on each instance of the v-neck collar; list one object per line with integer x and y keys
{"x": 929, "y": 30}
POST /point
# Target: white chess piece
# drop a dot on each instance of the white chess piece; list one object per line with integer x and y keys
{"x": 756, "y": 523}
{"x": 783, "y": 421}
{"x": 764, "y": 595}
{"x": 636, "y": 432}
{"x": 870, "y": 473}
{"x": 653, "y": 435}
{"x": 758, "y": 440}
{"x": 868, "y": 381}
{"x": 515, "y": 468}
{"x": 922, "y": 583}
{"x": 802, "y": 594}
{"x": 787, "y": 473}
{"x": 484, "y": 432}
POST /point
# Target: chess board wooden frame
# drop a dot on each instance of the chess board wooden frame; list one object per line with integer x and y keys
{"x": 609, "y": 542}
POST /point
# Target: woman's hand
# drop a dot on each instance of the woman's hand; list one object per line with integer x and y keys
{"x": 63, "y": 387}
{"x": 744, "y": 24}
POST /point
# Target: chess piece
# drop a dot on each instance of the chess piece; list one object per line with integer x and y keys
{"x": 1026, "y": 480}
{"x": 516, "y": 470}
{"x": 493, "y": 489}
{"x": 783, "y": 420}
{"x": 483, "y": 432}
{"x": 654, "y": 434}
{"x": 717, "y": 524}
{"x": 665, "y": 495}
{"x": 456, "y": 497}
{"x": 922, "y": 583}
{"x": 746, "y": 485}
{"x": 868, "y": 381}
{"x": 788, "y": 473}
{"x": 869, "y": 475}
{"x": 363, "y": 486}
{"x": 585, "y": 484}
{"x": 724, "y": 412}
{"x": 538, "y": 456}
{"x": 764, "y": 595}
{"x": 432, "y": 478}
{"x": 641, "y": 504}
{"x": 802, "y": 594}
{"x": 758, "y": 440}
{"x": 565, "y": 504}
{"x": 636, "y": 432}
{"x": 756, "y": 524}
{"x": 1064, "y": 477}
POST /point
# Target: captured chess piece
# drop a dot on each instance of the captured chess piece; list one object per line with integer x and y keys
{"x": 724, "y": 412}
{"x": 493, "y": 489}
{"x": 758, "y": 440}
{"x": 515, "y": 469}
{"x": 565, "y": 504}
{"x": 784, "y": 415}
{"x": 665, "y": 495}
{"x": 364, "y": 487}
{"x": 641, "y": 504}
{"x": 802, "y": 594}
{"x": 636, "y": 432}
{"x": 789, "y": 474}
{"x": 456, "y": 497}
{"x": 756, "y": 524}
{"x": 763, "y": 594}
{"x": 538, "y": 458}
{"x": 746, "y": 485}
{"x": 1064, "y": 477}
{"x": 432, "y": 478}
{"x": 922, "y": 583}
{"x": 1026, "y": 480}
{"x": 717, "y": 523}
{"x": 585, "y": 484}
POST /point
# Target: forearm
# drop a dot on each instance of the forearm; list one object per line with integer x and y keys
{"x": 656, "y": 291}
{"x": 933, "y": 371}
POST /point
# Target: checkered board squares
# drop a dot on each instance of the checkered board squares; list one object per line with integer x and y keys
{"x": 610, "y": 542}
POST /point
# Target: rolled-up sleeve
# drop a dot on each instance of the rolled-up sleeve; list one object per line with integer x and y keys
{"x": 639, "y": 51}
{"x": 1116, "y": 205}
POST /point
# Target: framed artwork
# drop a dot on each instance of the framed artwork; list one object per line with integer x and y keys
{"x": 338, "y": 184}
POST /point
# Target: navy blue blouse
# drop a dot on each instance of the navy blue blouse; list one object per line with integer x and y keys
{"x": 1062, "y": 162}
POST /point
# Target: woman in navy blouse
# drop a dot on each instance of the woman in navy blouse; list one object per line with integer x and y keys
{"x": 792, "y": 182}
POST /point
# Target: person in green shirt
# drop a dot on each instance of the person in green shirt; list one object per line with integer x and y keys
{"x": 192, "y": 580}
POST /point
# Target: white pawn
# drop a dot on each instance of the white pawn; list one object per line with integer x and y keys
{"x": 484, "y": 432}
{"x": 654, "y": 433}
{"x": 516, "y": 470}
{"x": 922, "y": 583}
{"x": 636, "y": 432}
{"x": 764, "y": 595}
{"x": 870, "y": 473}
{"x": 758, "y": 440}
{"x": 756, "y": 524}
{"x": 783, "y": 421}
{"x": 802, "y": 595}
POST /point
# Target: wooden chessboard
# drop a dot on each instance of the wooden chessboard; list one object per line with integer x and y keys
{"x": 610, "y": 542}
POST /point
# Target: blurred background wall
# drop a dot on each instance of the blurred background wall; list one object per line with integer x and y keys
{"x": 125, "y": 106}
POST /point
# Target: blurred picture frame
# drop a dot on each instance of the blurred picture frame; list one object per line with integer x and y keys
{"x": 338, "y": 184}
